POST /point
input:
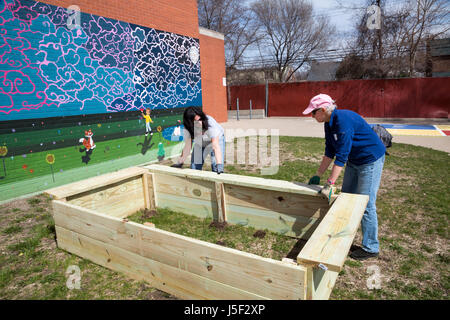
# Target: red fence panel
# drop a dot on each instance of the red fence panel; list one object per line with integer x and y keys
{"x": 256, "y": 93}
{"x": 383, "y": 98}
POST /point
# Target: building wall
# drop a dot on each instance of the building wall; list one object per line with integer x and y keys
{"x": 441, "y": 66}
{"x": 175, "y": 16}
{"x": 212, "y": 53}
{"x": 62, "y": 79}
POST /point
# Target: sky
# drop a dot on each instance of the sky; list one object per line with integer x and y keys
{"x": 342, "y": 18}
{"x": 342, "y": 14}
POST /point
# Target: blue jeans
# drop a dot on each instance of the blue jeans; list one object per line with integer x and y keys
{"x": 365, "y": 179}
{"x": 197, "y": 159}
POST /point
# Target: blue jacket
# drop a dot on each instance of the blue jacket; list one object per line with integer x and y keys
{"x": 348, "y": 137}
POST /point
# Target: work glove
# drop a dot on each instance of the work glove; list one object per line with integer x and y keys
{"x": 219, "y": 168}
{"x": 327, "y": 191}
{"x": 314, "y": 180}
{"x": 177, "y": 165}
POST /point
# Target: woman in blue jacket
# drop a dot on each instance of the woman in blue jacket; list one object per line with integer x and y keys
{"x": 351, "y": 141}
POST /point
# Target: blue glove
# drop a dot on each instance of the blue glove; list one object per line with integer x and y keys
{"x": 219, "y": 169}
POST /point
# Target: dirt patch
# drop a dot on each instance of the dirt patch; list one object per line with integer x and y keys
{"x": 149, "y": 213}
{"x": 259, "y": 234}
{"x": 391, "y": 179}
{"x": 218, "y": 225}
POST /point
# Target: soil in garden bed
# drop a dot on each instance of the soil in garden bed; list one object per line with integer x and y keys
{"x": 263, "y": 243}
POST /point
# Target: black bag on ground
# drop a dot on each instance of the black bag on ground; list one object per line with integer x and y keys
{"x": 384, "y": 135}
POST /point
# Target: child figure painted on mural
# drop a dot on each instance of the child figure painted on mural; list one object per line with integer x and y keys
{"x": 148, "y": 120}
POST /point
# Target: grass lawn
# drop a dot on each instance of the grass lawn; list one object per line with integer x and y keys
{"x": 413, "y": 211}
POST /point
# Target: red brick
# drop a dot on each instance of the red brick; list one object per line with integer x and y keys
{"x": 212, "y": 59}
{"x": 177, "y": 16}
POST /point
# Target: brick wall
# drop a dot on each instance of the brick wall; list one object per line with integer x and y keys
{"x": 212, "y": 57}
{"x": 176, "y": 16}
{"x": 441, "y": 64}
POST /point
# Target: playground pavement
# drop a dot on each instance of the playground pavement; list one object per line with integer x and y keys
{"x": 308, "y": 127}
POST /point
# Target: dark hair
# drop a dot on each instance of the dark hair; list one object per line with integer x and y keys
{"x": 188, "y": 119}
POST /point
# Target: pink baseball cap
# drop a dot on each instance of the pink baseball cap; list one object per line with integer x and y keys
{"x": 319, "y": 101}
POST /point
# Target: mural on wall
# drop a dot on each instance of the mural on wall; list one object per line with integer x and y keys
{"x": 64, "y": 86}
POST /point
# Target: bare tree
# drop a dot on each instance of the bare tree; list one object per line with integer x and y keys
{"x": 232, "y": 18}
{"x": 290, "y": 33}
{"x": 421, "y": 16}
{"x": 398, "y": 49}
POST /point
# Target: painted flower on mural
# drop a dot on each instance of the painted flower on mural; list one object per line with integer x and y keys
{"x": 3, "y": 151}
{"x": 50, "y": 158}
{"x": 159, "y": 129}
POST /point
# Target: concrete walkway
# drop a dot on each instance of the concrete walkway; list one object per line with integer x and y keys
{"x": 308, "y": 127}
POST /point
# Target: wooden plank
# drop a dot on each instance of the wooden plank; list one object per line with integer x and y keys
{"x": 119, "y": 199}
{"x": 330, "y": 242}
{"x": 278, "y": 202}
{"x": 195, "y": 207}
{"x": 186, "y": 187}
{"x": 151, "y": 190}
{"x": 320, "y": 283}
{"x": 221, "y": 205}
{"x": 266, "y": 277}
{"x": 324, "y": 282}
{"x": 175, "y": 281}
{"x": 288, "y": 225}
{"x": 93, "y": 183}
{"x": 233, "y": 179}
{"x": 146, "y": 191}
{"x": 309, "y": 283}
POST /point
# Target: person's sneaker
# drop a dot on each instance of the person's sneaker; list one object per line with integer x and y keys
{"x": 361, "y": 254}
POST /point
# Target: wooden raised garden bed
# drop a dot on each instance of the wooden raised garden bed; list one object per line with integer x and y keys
{"x": 91, "y": 222}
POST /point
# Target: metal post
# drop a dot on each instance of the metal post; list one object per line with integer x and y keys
{"x": 267, "y": 97}
{"x": 237, "y": 109}
{"x": 250, "y": 109}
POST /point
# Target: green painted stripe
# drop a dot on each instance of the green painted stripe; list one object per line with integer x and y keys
{"x": 37, "y": 185}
